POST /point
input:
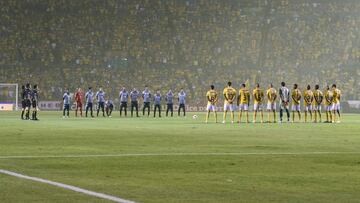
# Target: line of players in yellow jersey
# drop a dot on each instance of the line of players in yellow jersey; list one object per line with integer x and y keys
{"x": 312, "y": 99}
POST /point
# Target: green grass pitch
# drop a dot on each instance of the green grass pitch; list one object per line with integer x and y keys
{"x": 191, "y": 161}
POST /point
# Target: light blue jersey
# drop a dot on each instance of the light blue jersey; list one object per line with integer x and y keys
{"x": 100, "y": 96}
{"x": 157, "y": 99}
{"x": 182, "y": 97}
{"x": 134, "y": 95}
{"x": 89, "y": 96}
{"x": 169, "y": 98}
{"x": 66, "y": 99}
{"x": 146, "y": 96}
{"x": 123, "y": 96}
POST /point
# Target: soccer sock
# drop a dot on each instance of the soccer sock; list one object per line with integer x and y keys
{"x": 319, "y": 116}
{"x": 288, "y": 114}
{"x": 254, "y": 117}
{"x": 281, "y": 114}
{"x": 305, "y": 116}
{"x": 206, "y": 118}
{"x": 262, "y": 116}
{"x": 247, "y": 116}
{"x": 327, "y": 116}
{"x": 22, "y": 114}
{"x": 215, "y": 117}
{"x": 315, "y": 116}
{"x": 232, "y": 116}
{"x": 274, "y": 116}
{"x": 293, "y": 116}
{"x": 299, "y": 115}
{"x": 224, "y": 115}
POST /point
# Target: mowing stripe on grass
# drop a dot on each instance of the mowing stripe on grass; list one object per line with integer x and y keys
{"x": 68, "y": 187}
{"x": 174, "y": 154}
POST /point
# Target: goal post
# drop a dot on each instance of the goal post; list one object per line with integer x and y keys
{"x": 9, "y": 96}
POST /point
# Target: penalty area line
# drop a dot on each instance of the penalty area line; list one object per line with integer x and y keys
{"x": 68, "y": 187}
{"x": 173, "y": 154}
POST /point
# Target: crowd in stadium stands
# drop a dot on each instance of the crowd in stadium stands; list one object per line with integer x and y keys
{"x": 172, "y": 44}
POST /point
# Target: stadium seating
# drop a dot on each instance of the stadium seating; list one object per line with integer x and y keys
{"x": 172, "y": 44}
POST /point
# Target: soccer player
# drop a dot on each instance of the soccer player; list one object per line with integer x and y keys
{"x": 100, "y": 96}
{"x": 271, "y": 105}
{"x": 181, "y": 99}
{"x": 169, "y": 103}
{"x": 336, "y": 103}
{"x": 258, "y": 95}
{"x": 124, "y": 95}
{"x": 89, "y": 97}
{"x": 318, "y": 99}
{"x": 212, "y": 98}
{"x": 109, "y": 106}
{"x": 308, "y": 101}
{"x": 79, "y": 101}
{"x": 284, "y": 93}
{"x": 146, "y": 95}
{"x": 229, "y": 95}
{"x": 243, "y": 102}
{"x": 27, "y": 96}
{"x": 66, "y": 99}
{"x": 157, "y": 103}
{"x": 34, "y": 102}
{"x": 134, "y": 96}
{"x": 23, "y": 103}
{"x": 328, "y": 104}
{"x": 296, "y": 98}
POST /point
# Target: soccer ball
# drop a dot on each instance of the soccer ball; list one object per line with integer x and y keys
{"x": 194, "y": 116}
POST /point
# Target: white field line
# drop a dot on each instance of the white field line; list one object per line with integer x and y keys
{"x": 173, "y": 154}
{"x": 68, "y": 187}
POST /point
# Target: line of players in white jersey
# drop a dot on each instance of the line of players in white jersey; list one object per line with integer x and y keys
{"x": 107, "y": 106}
{"x": 312, "y": 99}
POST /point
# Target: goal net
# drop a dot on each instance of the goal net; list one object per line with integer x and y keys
{"x": 9, "y": 94}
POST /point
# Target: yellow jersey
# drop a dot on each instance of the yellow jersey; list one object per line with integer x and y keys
{"x": 318, "y": 97}
{"x": 244, "y": 96}
{"x": 336, "y": 96}
{"x": 308, "y": 97}
{"x": 229, "y": 94}
{"x": 296, "y": 96}
{"x": 271, "y": 95}
{"x": 212, "y": 97}
{"x": 328, "y": 97}
{"x": 258, "y": 95}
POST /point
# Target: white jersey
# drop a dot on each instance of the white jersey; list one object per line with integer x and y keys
{"x": 284, "y": 94}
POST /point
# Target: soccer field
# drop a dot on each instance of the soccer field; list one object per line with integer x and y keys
{"x": 179, "y": 159}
